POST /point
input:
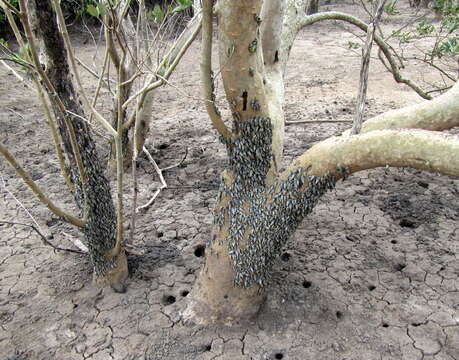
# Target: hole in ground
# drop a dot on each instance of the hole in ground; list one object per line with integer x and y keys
{"x": 159, "y": 234}
{"x": 407, "y": 223}
{"x": 199, "y": 251}
{"x": 279, "y": 356}
{"x": 163, "y": 146}
{"x": 400, "y": 267}
{"x": 184, "y": 293}
{"x": 285, "y": 256}
{"x": 339, "y": 314}
{"x": 385, "y": 325}
{"x": 168, "y": 300}
{"x": 307, "y": 284}
{"x": 208, "y": 347}
{"x": 423, "y": 184}
{"x": 394, "y": 241}
{"x": 371, "y": 287}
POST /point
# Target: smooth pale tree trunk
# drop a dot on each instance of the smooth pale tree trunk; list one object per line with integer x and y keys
{"x": 258, "y": 208}
{"x": 92, "y": 193}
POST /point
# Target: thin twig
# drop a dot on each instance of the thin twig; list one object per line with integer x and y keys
{"x": 15, "y": 73}
{"x": 360, "y": 106}
{"x": 99, "y": 83}
{"x": 161, "y": 178}
{"x": 3, "y": 184}
{"x": 175, "y": 57}
{"x": 90, "y": 124}
{"x": 92, "y": 72}
{"x": 206, "y": 70}
{"x": 179, "y": 163}
{"x": 44, "y": 101}
{"x": 71, "y": 56}
{"x": 7, "y": 6}
{"x": 43, "y": 237}
{"x": 37, "y": 191}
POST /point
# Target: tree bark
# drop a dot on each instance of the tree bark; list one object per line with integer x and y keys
{"x": 92, "y": 192}
{"x": 257, "y": 209}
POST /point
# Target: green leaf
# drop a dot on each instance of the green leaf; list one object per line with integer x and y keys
{"x": 184, "y": 4}
{"x": 92, "y": 10}
{"x": 158, "y": 14}
{"x": 102, "y": 8}
{"x": 4, "y": 43}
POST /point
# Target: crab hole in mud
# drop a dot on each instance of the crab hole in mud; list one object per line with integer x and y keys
{"x": 407, "y": 223}
{"x": 307, "y": 284}
{"x": 200, "y": 251}
{"x": 285, "y": 256}
{"x": 168, "y": 300}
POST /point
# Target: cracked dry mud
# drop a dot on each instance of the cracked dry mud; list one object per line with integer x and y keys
{"x": 371, "y": 274}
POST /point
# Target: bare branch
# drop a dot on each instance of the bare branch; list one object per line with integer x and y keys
{"x": 169, "y": 62}
{"x": 360, "y": 106}
{"x": 161, "y": 178}
{"x": 394, "y": 68}
{"x": 441, "y": 113}
{"x": 43, "y": 237}
{"x": 418, "y": 149}
{"x": 37, "y": 191}
{"x": 71, "y": 56}
{"x": 8, "y": 7}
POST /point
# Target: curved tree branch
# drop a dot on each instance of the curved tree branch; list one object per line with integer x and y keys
{"x": 393, "y": 67}
{"x": 418, "y": 149}
{"x": 441, "y": 113}
{"x": 37, "y": 191}
{"x": 206, "y": 70}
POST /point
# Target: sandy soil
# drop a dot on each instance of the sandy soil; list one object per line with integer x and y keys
{"x": 371, "y": 274}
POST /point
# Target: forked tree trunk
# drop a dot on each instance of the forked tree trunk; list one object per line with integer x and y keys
{"x": 237, "y": 266}
{"x": 258, "y": 208}
{"x": 92, "y": 193}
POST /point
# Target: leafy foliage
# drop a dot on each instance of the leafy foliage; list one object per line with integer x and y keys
{"x": 390, "y": 8}
{"x": 160, "y": 13}
{"x": 446, "y": 31}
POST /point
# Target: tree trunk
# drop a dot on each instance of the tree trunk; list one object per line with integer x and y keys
{"x": 258, "y": 209}
{"x": 92, "y": 192}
